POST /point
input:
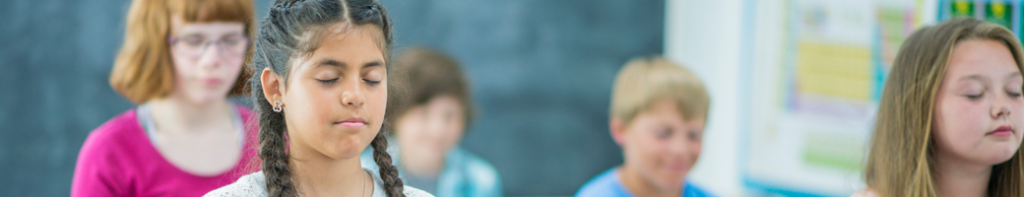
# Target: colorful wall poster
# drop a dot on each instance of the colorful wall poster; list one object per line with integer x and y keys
{"x": 811, "y": 122}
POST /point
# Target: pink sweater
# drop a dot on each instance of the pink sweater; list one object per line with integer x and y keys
{"x": 118, "y": 159}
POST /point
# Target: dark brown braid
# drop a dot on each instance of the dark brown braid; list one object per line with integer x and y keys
{"x": 272, "y": 148}
{"x": 388, "y": 173}
{"x": 276, "y": 43}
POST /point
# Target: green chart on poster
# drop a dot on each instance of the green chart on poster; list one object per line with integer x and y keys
{"x": 1005, "y": 13}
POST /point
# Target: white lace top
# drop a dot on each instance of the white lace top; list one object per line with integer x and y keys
{"x": 255, "y": 185}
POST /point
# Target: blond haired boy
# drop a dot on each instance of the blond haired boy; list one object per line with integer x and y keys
{"x": 658, "y": 113}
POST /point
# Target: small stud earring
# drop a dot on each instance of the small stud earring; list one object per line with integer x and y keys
{"x": 277, "y": 106}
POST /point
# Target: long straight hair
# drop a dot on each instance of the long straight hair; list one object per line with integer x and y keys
{"x": 901, "y": 159}
{"x": 296, "y": 27}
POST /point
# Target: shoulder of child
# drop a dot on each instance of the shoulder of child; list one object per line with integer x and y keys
{"x": 865, "y": 193}
{"x": 413, "y": 192}
{"x": 117, "y": 128}
{"x": 108, "y": 156}
{"x": 247, "y": 186}
{"x": 111, "y": 144}
{"x": 695, "y": 191}
{"x": 480, "y": 171}
{"x": 604, "y": 185}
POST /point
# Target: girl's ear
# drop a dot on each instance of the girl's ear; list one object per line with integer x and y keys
{"x": 272, "y": 88}
{"x": 618, "y": 131}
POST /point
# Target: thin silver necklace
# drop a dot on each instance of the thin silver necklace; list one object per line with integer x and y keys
{"x": 364, "y": 185}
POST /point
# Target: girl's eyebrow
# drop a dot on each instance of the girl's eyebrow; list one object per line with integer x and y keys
{"x": 332, "y": 62}
{"x": 342, "y": 65}
{"x": 1012, "y": 75}
{"x": 975, "y": 77}
{"x": 372, "y": 64}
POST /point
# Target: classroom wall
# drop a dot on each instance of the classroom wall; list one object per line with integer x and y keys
{"x": 541, "y": 74}
{"x": 705, "y": 36}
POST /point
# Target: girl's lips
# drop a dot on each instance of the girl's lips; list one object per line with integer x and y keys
{"x": 353, "y": 123}
{"x": 1002, "y": 131}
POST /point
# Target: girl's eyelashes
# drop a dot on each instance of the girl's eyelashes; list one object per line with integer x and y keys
{"x": 371, "y": 82}
{"x": 1013, "y": 89}
{"x": 373, "y": 78}
{"x": 192, "y": 40}
{"x": 1013, "y": 94}
{"x": 327, "y": 81}
{"x": 327, "y": 77}
{"x": 330, "y": 77}
{"x": 335, "y": 80}
{"x": 974, "y": 92}
{"x": 974, "y": 96}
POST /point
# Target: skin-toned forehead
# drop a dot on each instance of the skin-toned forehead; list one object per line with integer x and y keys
{"x": 179, "y": 25}
{"x": 334, "y": 33}
{"x": 666, "y": 106}
{"x": 977, "y": 52}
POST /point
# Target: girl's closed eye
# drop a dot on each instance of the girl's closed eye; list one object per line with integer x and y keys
{"x": 327, "y": 81}
{"x": 973, "y": 92}
{"x": 233, "y": 39}
{"x": 975, "y": 96}
{"x": 192, "y": 40}
{"x": 373, "y": 78}
{"x": 1013, "y": 89}
{"x": 327, "y": 78}
{"x": 1014, "y": 93}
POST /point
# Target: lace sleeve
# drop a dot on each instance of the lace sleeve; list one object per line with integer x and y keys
{"x": 248, "y": 186}
{"x": 413, "y": 192}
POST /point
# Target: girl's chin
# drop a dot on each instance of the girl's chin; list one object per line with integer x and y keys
{"x": 1002, "y": 157}
{"x": 345, "y": 152}
{"x": 991, "y": 157}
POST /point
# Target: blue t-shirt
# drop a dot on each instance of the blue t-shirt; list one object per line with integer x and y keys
{"x": 608, "y": 185}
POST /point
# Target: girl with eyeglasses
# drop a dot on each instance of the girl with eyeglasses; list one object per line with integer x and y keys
{"x": 180, "y": 61}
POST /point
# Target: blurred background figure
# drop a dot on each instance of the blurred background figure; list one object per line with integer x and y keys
{"x": 658, "y": 114}
{"x": 433, "y": 111}
{"x": 179, "y": 62}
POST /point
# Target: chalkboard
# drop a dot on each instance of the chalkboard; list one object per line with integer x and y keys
{"x": 541, "y": 74}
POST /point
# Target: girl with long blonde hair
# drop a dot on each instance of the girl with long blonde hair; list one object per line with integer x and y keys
{"x": 950, "y": 118}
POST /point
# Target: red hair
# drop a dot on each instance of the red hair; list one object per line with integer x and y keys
{"x": 143, "y": 69}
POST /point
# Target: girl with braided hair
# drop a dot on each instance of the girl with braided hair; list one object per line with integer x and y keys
{"x": 321, "y": 92}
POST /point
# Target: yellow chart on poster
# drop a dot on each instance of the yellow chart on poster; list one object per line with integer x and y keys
{"x": 834, "y": 70}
